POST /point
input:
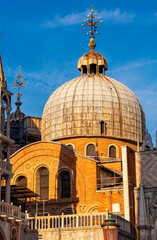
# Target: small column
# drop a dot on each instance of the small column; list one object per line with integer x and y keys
{"x": 7, "y": 190}
{"x": 8, "y": 121}
{"x": 0, "y": 186}
{"x": 97, "y": 69}
{"x": 0, "y": 149}
{"x": 8, "y": 152}
{"x": 88, "y": 69}
{"x": 81, "y": 71}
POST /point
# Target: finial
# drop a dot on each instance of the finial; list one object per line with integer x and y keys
{"x": 20, "y": 82}
{"x": 90, "y": 22}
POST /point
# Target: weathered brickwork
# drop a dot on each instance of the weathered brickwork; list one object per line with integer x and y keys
{"x": 102, "y": 145}
{"x": 53, "y": 156}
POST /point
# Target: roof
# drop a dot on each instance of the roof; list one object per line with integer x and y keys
{"x": 20, "y": 192}
{"x": 77, "y": 108}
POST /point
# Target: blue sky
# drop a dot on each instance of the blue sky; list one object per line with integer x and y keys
{"x": 46, "y": 38}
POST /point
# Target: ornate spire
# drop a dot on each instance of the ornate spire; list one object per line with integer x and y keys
{"x": 20, "y": 82}
{"x": 92, "y": 62}
{"x": 93, "y": 27}
{"x": 3, "y": 82}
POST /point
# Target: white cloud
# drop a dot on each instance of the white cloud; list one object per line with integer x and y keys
{"x": 113, "y": 16}
{"x": 117, "y": 16}
{"x": 135, "y": 64}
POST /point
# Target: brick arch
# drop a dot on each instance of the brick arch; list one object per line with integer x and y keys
{"x": 44, "y": 152}
{"x": 117, "y": 150}
{"x": 93, "y": 209}
{"x": 21, "y": 174}
{"x": 87, "y": 145}
{"x": 37, "y": 188}
{"x": 68, "y": 211}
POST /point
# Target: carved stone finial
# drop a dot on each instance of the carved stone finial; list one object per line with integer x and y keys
{"x": 147, "y": 142}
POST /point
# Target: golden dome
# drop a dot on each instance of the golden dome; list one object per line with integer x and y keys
{"x": 78, "y": 107}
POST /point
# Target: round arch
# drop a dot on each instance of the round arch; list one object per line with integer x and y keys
{"x": 116, "y": 148}
{"x": 21, "y": 174}
{"x": 70, "y": 145}
{"x": 86, "y": 148}
{"x": 42, "y": 181}
{"x": 64, "y": 183}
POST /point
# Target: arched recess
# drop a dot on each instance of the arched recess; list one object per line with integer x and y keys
{"x": 42, "y": 183}
{"x": 21, "y": 181}
{"x": 64, "y": 184}
{"x": 13, "y": 234}
{"x": 70, "y": 145}
{"x": 112, "y": 151}
{"x": 90, "y": 150}
{"x": 68, "y": 211}
{"x": 93, "y": 209}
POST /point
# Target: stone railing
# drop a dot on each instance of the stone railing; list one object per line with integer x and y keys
{"x": 10, "y": 211}
{"x": 124, "y": 224}
{"x": 88, "y": 220}
{"x": 4, "y": 165}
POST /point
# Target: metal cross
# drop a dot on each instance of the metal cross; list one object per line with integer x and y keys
{"x": 90, "y": 22}
{"x": 20, "y": 82}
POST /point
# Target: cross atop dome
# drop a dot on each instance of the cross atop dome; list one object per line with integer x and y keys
{"x": 92, "y": 62}
{"x": 20, "y": 82}
{"x": 90, "y": 22}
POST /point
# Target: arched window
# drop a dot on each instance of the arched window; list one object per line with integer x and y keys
{"x": 42, "y": 183}
{"x": 13, "y": 234}
{"x": 70, "y": 146}
{"x": 102, "y": 127}
{"x": 65, "y": 184}
{"x": 21, "y": 181}
{"x": 90, "y": 150}
{"x": 112, "y": 151}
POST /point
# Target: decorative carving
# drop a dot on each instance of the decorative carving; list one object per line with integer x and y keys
{"x": 153, "y": 214}
{"x": 147, "y": 142}
{"x": 153, "y": 208}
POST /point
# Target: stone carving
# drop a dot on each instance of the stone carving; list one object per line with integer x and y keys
{"x": 147, "y": 142}
{"x": 153, "y": 208}
{"x": 153, "y": 215}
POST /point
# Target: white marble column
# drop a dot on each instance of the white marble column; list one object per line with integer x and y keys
{"x": 125, "y": 183}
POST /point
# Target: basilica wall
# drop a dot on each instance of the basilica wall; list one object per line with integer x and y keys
{"x": 56, "y": 158}
{"x": 102, "y": 145}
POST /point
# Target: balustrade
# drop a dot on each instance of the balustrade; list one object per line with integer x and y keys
{"x": 88, "y": 220}
{"x": 11, "y": 211}
{"x": 66, "y": 221}
{"x": 4, "y": 165}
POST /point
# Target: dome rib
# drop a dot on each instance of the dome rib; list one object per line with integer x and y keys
{"x": 76, "y": 108}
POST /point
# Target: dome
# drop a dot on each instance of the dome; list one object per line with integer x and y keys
{"x": 92, "y": 62}
{"x": 80, "y": 106}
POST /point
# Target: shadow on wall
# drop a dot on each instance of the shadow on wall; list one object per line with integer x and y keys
{"x": 66, "y": 181}
{"x": 63, "y": 188}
